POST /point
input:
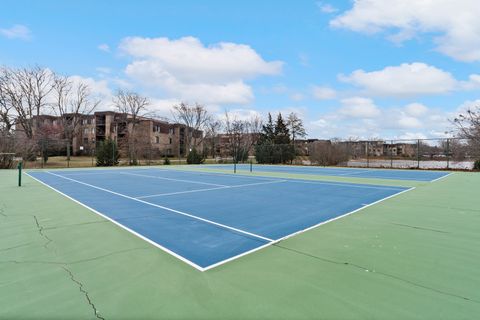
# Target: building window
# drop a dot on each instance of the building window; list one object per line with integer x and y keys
{"x": 171, "y": 131}
{"x": 170, "y": 140}
{"x": 157, "y": 139}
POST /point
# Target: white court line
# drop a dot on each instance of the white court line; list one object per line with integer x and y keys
{"x": 271, "y": 242}
{"x": 193, "y": 264}
{"x": 165, "y": 208}
{"x": 210, "y": 189}
{"x": 343, "y": 184}
{"x": 298, "y": 180}
{"x": 442, "y": 177}
{"x": 171, "y": 179}
{"x": 304, "y": 230}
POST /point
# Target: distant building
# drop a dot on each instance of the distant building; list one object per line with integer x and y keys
{"x": 153, "y": 136}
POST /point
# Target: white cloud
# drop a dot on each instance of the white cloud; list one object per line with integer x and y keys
{"x": 358, "y": 107}
{"x": 416, "y": 109}
{"x": 323, "y": 93}
{"x": 186, "y": 69}
{"x": 104, "y": 47}
{"x": 18, "y": 31}
{"x": 404, "y": 80}
{"x": 99, "y": 90}
{"x": 456, "y": 22}
{"x": 361, "y": 117}
{"x": 326, "y": 7}
{"x": 297, "y": 96}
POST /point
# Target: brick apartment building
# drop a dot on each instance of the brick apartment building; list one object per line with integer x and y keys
{"x": 154, "y": 136}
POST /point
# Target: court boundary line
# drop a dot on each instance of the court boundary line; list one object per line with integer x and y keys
{"x": 176, "y": 255}
{"x": 442, "y": 177}
{"x": 299, "y": 180}
{"x": 337, "y": 168}
{"x": 203, "y": 269}
{"x": 305, "y": 230}
{"x": 172, "y": 179}
{"x": 167, "y": 208}
{"x": 210, "y": 189}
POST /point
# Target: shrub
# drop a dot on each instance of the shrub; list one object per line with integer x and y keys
{"x": 194, "y": 157}
{"x": 107, "y": 153}
{"x": 166, "y": 161}
{"x": 476, "y": 165}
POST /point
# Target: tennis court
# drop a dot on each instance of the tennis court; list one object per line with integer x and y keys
{"x": 207, "y": 219}
{"x": 388, "y": 174}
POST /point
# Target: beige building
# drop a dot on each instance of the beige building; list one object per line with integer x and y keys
{"x": 153, "y": 137}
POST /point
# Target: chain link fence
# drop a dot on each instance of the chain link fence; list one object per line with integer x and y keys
{"x": 451, "y": 153}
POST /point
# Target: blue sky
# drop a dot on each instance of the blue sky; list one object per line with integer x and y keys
{"x": 391, "y": 69}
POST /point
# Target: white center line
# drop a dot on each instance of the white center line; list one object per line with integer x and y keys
{"x": 210, "y": 189}
{"x": 171, "y": 179}
{"x": 166, "y": 208}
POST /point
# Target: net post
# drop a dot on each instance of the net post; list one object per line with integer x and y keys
{"x": 251, "y": 165}
{"x": 234, "y": 167}
{"x": 19, "y": 173}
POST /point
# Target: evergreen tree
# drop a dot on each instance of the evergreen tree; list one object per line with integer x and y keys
{"x": 107, "y": 153}
{"x": 274, "y": 143}
{"x": 281, "y": 132}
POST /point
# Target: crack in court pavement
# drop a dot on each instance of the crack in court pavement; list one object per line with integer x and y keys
{"x": 15, "y": 247}
{"x": 2, "y": 211}
{"x": 419, "y": 228}
{"x": 357, "y": 266}
{"x": 75, "y": 261}
{"x": 40, "y": 230}
{"x": 81, "y": 288}
{"x": 75, "y": 224}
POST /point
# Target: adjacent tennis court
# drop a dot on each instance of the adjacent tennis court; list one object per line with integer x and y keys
{"x": 207, "y": 219}
{"x": 389, "y": 174}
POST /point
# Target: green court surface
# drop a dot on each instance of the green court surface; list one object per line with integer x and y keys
{"x": 414, "y": 256}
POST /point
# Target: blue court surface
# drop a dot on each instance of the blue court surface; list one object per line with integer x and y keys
{"x": 207, "y": 219}
{"x": 389, "y": 174}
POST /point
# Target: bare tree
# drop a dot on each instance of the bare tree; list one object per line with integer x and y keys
{"x": 6, "y": 116}
{"x": 133, "y": 106}
{"x": 242, "y": 135}
{"x": 468, "y": 124}
{"x": 212, "y": 132}
{"x": 72, "y": 103}
{"x": 27, "y": 91}
{"x": 295, "y": 126}
{"x": 194, "y": 118}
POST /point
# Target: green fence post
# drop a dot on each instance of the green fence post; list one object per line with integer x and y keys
{"x": 19, "y": 173}
{"x": 391, "y": 154}
{"x": 251, "y": 165}
{"x": 418, "y": 154}
{"x": 234, "y": 167}
{"x": 448, "y": 153}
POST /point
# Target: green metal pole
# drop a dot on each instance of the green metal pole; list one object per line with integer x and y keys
{"x": 418, "y": 154}
{"x": 234, "y": 167}
{"x": 20, "y": 174}
{"x": 251, "y": 165}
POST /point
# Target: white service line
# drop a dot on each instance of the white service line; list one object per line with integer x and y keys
{"x": 196, "y": 266}
{"x": 166, "y": 208}
{"x": 302, "y": 231}
{"x": 210, "y": 189}
{"x": 171, "y": 179}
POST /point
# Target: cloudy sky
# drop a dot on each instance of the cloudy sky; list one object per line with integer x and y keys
{"x": 364, "y": 68}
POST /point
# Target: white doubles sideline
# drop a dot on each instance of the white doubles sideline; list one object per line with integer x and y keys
{"x": 165, "y": 208}
{"x": 269, "y": 241}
